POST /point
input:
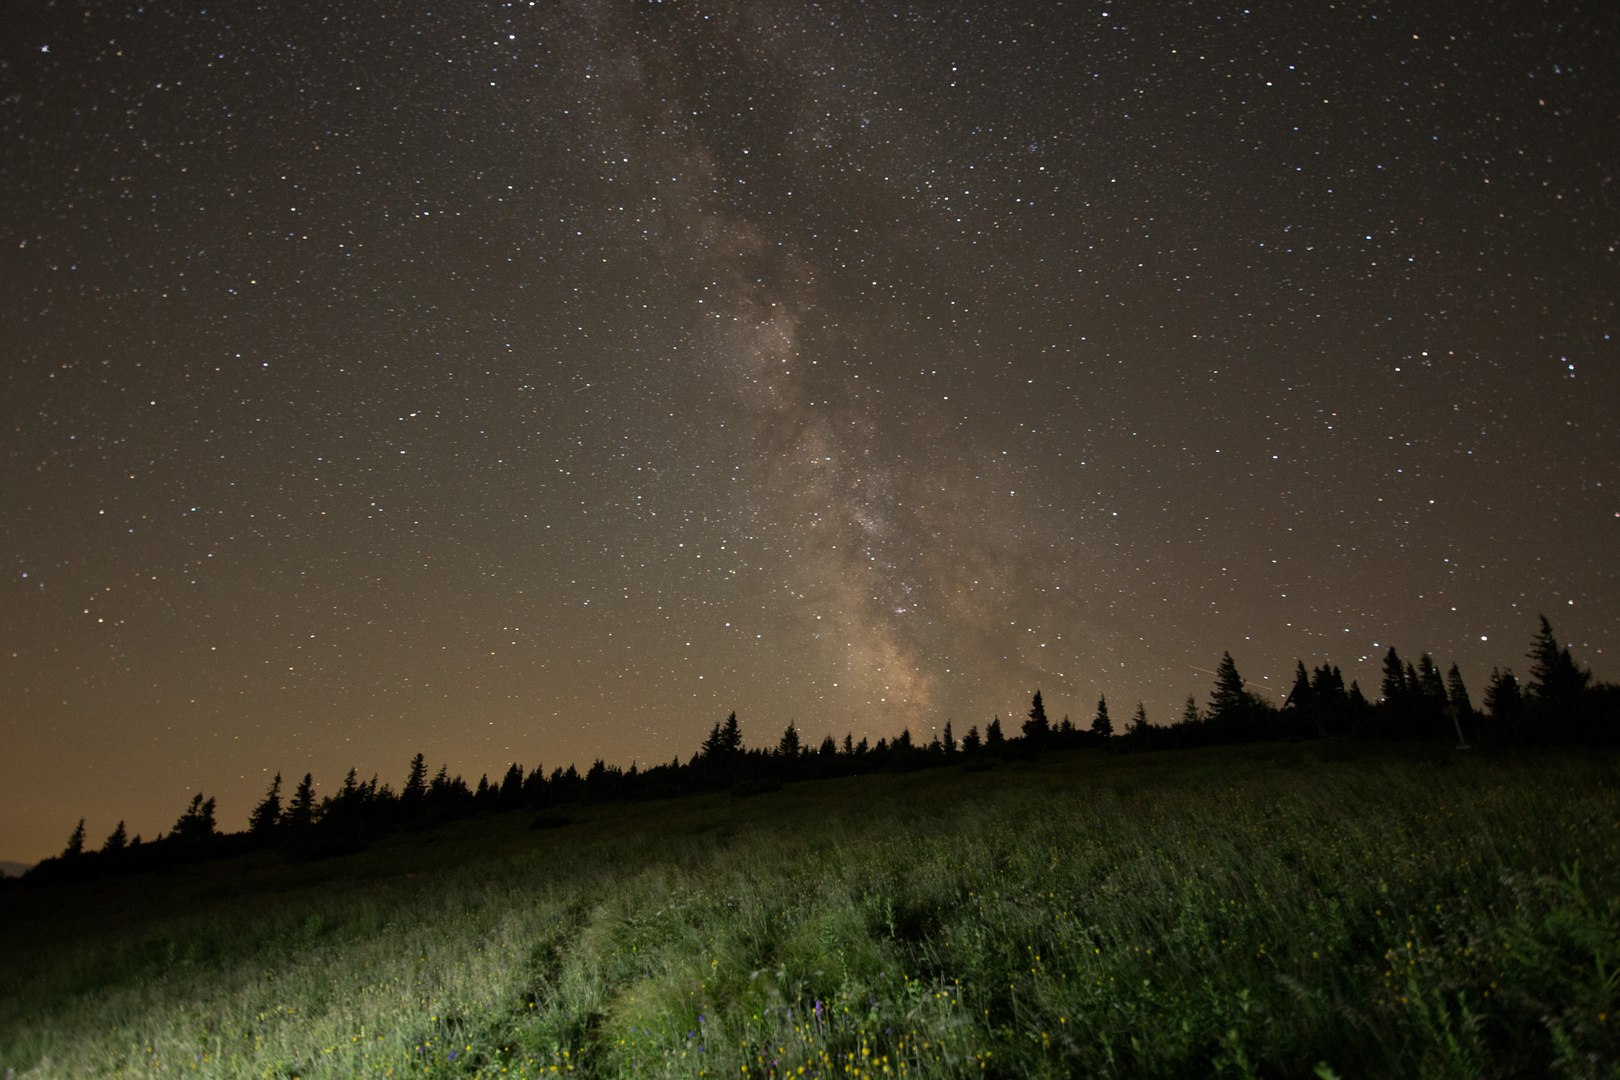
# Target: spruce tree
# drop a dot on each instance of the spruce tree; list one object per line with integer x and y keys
{"x": 75, "y": 844}
{"x": 1503, "y": 698}
{"x": 1139, "y": 725}
{"x": 1228, "y": 702}
{"x": 511, "y": 792}
{"x": 301, "y": 813}
{"x": 788, "y": 746}
{"x": 1554, "y": 675}
{"x": 267, "y": 815}
{"x": 1430, "y": 683}
{"x": 415, "y": 789}
{"x": 1394, "y": 685}
{"x": 1302, "y": 694}
{"x": 1327, "y": 684}
{"x": 1457, "y": 694}
{"x": 197, "y": 822}
{"x": 992, "y": 734}
{"x": 949, "y": 740}
{"x": 1100, "y": 724}
{"x": 1189, "y": 711}
{"x": 710, "y": 750}
{"x": 116, "y": 842}
{"x": 1036, "y": 728}
{"x": 828, "y": 747}
{"x": 731, "y": 737}
{"x": 970, "y": 741}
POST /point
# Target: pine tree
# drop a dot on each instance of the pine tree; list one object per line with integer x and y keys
{"x": 116, "y": 842}
{"x": 75, "y": 844}
{"x": 197, "y": 823}
{"x": 949, "y": 740}
{"x": 849, "y": 744}
{"x": 970, "y": 741}
{"x": 511, "y": 792}
{"x": 710, "y": 749}
{"x": 1457, "y": 694}
{"x": 731, "y": 737}
{"x": 267, "y": 815}
{"x": 1139, "y": 725}
{"x": 828, "y": 747}
{"x": 1503, "y": 699}
{"x": 1394, "y": 685}
{"x": 415, "y": 789}
{"x": 302, "y": 811}
{"x": 1430, "y": 683}
{"x": 992, "y": 734}
{"x": 1554, "y": 675}
{"x": 1036, "y": 728}
{"x": 1303, "y": 694}
{"x": 1189, "y": 711}
{"x": 1229, "y": 702}
{"x": 1327, "y": 684}
{"x": 788, "y": 746}
{"x": 1100, "y": 724}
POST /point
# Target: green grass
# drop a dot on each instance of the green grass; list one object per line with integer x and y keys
{"x": 1270, "y": 911}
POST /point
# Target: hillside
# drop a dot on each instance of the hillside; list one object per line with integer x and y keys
{"x": 1264, "y": 910}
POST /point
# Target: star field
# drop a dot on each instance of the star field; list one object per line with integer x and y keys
{"x": 542, "y": 382}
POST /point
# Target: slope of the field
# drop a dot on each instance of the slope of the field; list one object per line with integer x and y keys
{"x": 1262, "y": 911}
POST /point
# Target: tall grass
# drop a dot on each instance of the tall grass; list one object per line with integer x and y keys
{"x": 1243, "y": 913}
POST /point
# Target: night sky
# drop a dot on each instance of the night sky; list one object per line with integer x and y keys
{"x": 542, "y": 382}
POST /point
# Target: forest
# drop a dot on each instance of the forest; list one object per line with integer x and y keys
{"x": 1560, "y": 705}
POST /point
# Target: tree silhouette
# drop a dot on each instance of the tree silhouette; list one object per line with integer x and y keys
{"x": 415, "y": 789}
{"x": 992, "y": 734}
{"x": 1189, "y": 712}
{"x": 196, "y": 824}
{"x": 301, "y": 812}
{"x": 1430, "y": 684}
{"x": 1394, "y": 687}
{"x": 970, "y": 741}
{"x": 724, "y": 742}
{"x": 1327, "y": 685}
{"x": 949, "y": 741}
{"x": 267, "y": 815}
{"x": 1554, "y": 675}
{"x": 116, "y": 842}
{"x": 1037, "y": 728}
{"x": 1303, "y": 695}
{"x": 1139, "y": 725}
{"x": 1457, "y": 694}
{"x": 1100, "y": 724}
{"x": 510, "y": 793}
{"x": 788, "y": 745}
{"x": 75, "y": 844}
{"x": 1229, "y": 700}
{"x": 1503, "y": 699}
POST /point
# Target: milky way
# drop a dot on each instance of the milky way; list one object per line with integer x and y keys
{"x": 544, "y": 382}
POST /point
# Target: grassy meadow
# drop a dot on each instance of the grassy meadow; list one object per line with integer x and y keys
{"x": 1322, "y": 909}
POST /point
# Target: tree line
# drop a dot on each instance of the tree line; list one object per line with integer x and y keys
{"x": 1560, "y": 704}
